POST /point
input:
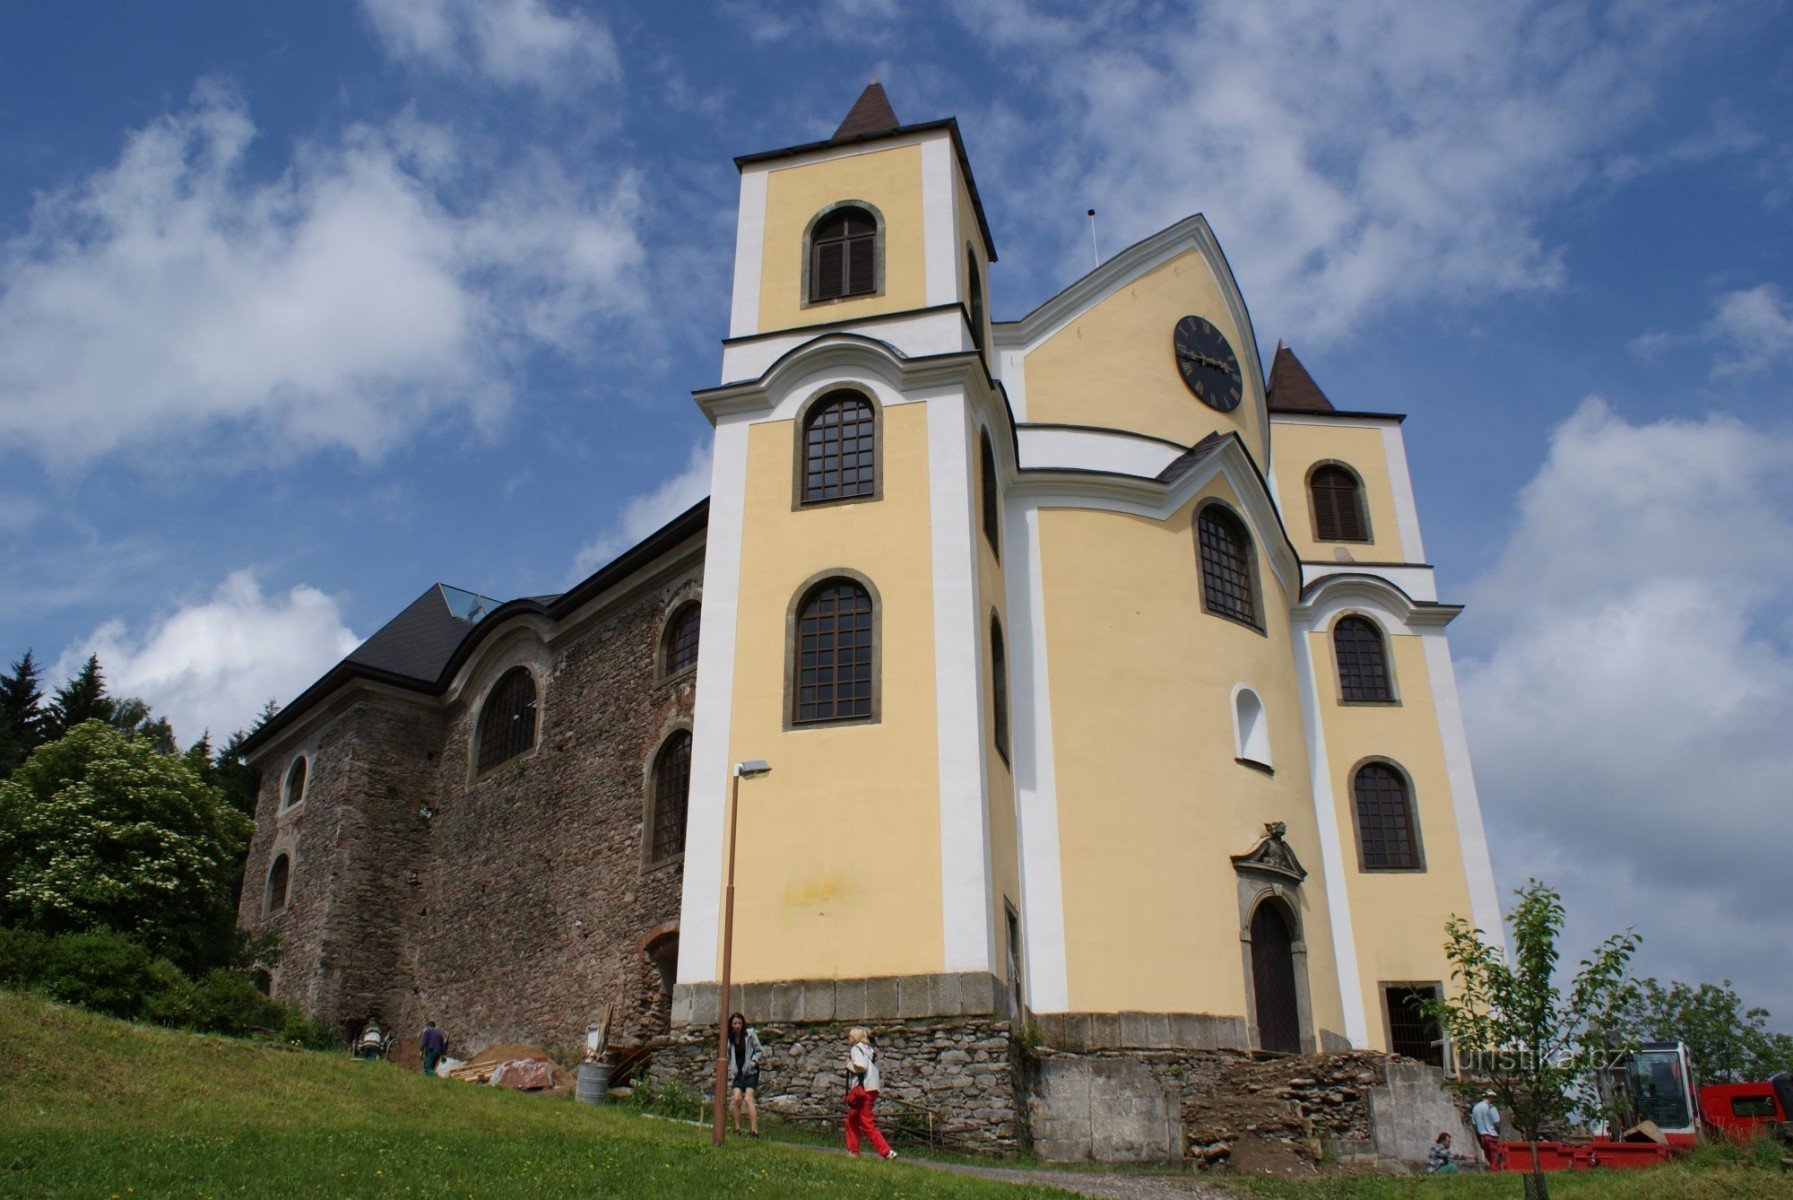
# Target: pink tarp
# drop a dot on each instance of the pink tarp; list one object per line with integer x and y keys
{"x": 524, "y": 1074}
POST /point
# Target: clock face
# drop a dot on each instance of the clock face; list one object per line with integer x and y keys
{"x": 1208, "y": 364}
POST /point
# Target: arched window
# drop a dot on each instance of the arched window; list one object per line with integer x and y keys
{"x": 278, "y": 877}
{"x": 987, "y": 486}
{"x": 672, "y": 793}
{"x": 294, "y": 789}
{"x": 507, "y": 722}
{"x": 1387, "y": 838}
{"x": 679, "y": 643}
{"x": 833, "y": 670}
{"x": 999, "y": 688}
{"x": 1338, "y": 505}
{"x": 840, "y": 449}
{"x": 974, "y": 295}
{"x": 1226, "y": 565}
{"x": 843, "y": 255}
{"x": 1363, "y": 662}
{"x": 1251, "y": 731}
{"x": 1273, "y": 980}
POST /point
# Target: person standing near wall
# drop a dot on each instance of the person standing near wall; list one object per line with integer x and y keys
{"x": 1484, "y": 1118}
{"x": 862, "y": 1070}
{"x": 744, "y": 1051}
{"x": 433, "y": 1044}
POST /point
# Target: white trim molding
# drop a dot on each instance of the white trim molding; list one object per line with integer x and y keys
{"x": 750, "y": 250}
{"x": 1472, "y": 836}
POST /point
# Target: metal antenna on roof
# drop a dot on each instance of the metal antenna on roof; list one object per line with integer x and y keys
{"x": 1095, "y": 254}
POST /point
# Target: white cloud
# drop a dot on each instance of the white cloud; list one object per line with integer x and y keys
{"x": 1350, "y": 157}
{"x": 1750, "y": 330}
{"x": 212, "y": 665}
{"x": 647, "y": 512}
{"x": 1629, "y": 714}
{"x": 373, "y": 286}
{"x": 511, "y": 42}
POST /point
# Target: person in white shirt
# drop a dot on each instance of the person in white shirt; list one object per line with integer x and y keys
{"x": 1484, "y": 1118}
{"x": 862, "y": 1072}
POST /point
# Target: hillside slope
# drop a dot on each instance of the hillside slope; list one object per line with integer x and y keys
{"x": 91, "y": 1107}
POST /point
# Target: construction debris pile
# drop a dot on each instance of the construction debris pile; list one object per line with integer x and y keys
{"x": 511, "y": 1064}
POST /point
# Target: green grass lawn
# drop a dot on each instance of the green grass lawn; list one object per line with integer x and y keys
{"x": 91, "y": 1107}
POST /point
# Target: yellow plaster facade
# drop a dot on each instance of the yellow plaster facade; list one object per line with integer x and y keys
{"x": 1303, "y": 446}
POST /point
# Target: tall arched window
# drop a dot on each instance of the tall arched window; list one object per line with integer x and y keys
{"x": 1387, "y": 836}
{"x": 840, "y": 449}
{"x": 507, "y": 722}
{"x": 1338, "y": 505}
{"x": 672, "y": 793}
{"x": 1226, "y": 565}
{"x": 833, "y": 670}
{"x": 1363, "y": 662}
{"x": 974, "y": 295}
{"x": 294, "y": 789}
{"x": 999, "y": 688}
{"x": 989, "y": 499}
{"x": 679, "y": 643}
{"x": 278, "y": 877}
{"x": 843, "y": 255}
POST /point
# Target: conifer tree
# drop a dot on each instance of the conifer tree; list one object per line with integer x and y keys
{"x": 21, "y": 707}
{"x": 82, "y": 698}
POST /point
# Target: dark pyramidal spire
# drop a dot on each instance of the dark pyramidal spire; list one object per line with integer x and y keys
{"x": 1292, "y": 389}
{"x": 871, "y": 114}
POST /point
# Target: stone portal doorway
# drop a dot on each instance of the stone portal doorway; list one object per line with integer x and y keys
{"x": 1273, "y": 980}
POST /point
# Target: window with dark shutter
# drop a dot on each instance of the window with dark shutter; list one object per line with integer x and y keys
{"x": 843, "y": 255}
{"x": 832, "y": 673}
{"x": 672, "y": 797}
{"x": 295, "y": 784}
{"x": 999, "y": 688}
{"x": 840, "y": 449}
{"x": 990, "y": 500}
{"x": 681, "y": 640}
{"x": 1386, "y": 836}
{"x": 278, "y": 877}
{"x": 1363, "y": 662}
{"x": 1225, "y": 550}
{"x": 1338, "y": 506}
{"x": 507, "y": 722}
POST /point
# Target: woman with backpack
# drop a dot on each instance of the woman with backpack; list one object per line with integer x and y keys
{"x": 862, "y": 1094}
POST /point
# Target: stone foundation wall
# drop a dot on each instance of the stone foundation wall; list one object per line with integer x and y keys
{"x": 963, "y": 1069}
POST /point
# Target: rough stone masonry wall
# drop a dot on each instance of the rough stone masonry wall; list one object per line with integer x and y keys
{"x": 962, "y": 1069}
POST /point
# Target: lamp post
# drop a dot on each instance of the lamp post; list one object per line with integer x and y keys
{"x": 750, "y": 769}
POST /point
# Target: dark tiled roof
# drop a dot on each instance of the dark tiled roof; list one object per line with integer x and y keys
{"x": 1186, "y": 462}
{"x": 870, "y": 115}
{"x": 418, "y": 642}
{"x": 1292, "y": 389}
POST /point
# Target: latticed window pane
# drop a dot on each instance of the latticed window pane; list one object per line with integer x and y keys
{"x": 1385, "y": 819}
{"x": 1363, "y": 661}
{"x": 844, "y": 255}
{"x": 839, "y": 450}
{"x": 1226, "y": 565}
{"x": 987, "y": 481}
{"x": 1410, "y": 1031}
{"x": 1338, "y": 506}
{"x": 834, "y": 653}
{"x": 681, "y": 639}
{"x": 507, "y": 723}
{"x": 672, "y": 794}
{"x": 278, "y": 878}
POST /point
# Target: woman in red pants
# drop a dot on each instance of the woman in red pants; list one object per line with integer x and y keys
{"x": 862, "y": 1070}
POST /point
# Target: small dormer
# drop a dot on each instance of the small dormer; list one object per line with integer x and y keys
{"x": 881, "y": 219}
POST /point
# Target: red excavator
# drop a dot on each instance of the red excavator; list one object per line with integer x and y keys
{"x": 1664, "y": 1113}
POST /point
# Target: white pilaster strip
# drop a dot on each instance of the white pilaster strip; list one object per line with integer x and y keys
{"x": 965, "y": 895}
{"x": 939, "y": 221}
{"x": 1332, "y": 856}
{"x": 1394, "y": 449}
{"x": 1484, "y": 900}
{"x": 1036, "y": 781}
{"x": 699, "y": 944}
{"x": 750, "y": 247}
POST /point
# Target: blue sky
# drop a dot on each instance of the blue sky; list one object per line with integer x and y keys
{"x": 304, "y": 307}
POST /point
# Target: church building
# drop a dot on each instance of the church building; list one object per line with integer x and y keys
{"x": 1101, "y": 675}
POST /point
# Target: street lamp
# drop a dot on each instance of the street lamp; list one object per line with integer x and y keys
{"x": 750, "y": 769}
